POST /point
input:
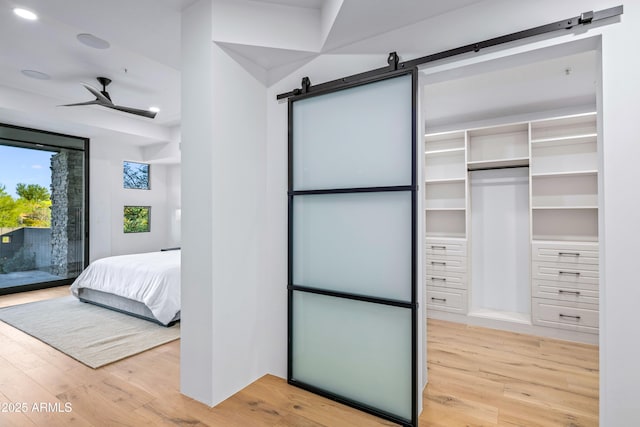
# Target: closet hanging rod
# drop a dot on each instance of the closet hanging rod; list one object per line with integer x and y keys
{"x": 496, "y": 167}
{"x": 394, "y": 64}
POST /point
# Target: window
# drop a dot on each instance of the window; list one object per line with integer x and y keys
{"x": 137, "y": 219}
{"x": 44, "y": 216}
{"x": 136, "y": 175}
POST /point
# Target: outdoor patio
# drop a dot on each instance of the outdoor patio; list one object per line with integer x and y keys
{"x": 19, "y": 278}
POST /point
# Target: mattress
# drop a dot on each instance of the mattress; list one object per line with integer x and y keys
{"x": 152, "y": 280}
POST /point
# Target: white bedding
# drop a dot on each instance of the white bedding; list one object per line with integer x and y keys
{"x": 150, "y": 278}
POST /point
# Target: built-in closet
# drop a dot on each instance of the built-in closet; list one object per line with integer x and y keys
{"x": 511, "y": 217}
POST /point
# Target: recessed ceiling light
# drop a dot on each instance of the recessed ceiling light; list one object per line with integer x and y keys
{"x": 93, "y": 41}
{"x": 25, "y": 14}
{"x": 36, "y": 74}
{"x": 154, "y": 109}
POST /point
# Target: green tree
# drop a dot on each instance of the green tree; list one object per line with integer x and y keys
{"x": 8, "y": 209}
{"x": 33, "y": 192}
{"x": 136, "y": 219}
{"x": 34, "y": 205}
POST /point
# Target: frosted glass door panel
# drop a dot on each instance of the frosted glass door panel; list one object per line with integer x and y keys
{"x": 357, "y": 243}
{"x": 355, "y": 349}
{"x": 500, "y": 243}
{"x": 358, "y": 137}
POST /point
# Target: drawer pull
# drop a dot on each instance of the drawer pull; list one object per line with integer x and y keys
{"x": 569, "y": 253}
{"x": 438, "y": 247}
{"x": 438, "y": 299}
{"x": 562, "y": 291}
{"x": 565, "y": 316}
{"x": 444, "y": 279}
{"x": 438, "y": 263}
{"x": 573, "y": 273}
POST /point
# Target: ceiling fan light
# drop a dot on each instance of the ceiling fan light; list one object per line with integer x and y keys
{"x": 93, "y": 41}
{"x": 25, "y": 14}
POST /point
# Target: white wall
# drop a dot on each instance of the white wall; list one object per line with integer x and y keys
{"x": 196, "y": 338}
{"x": 107, "y": 199}
{"x": 620, "y": 293}
{"x": 227, "y": 304}
{"x": 620, "y": 351}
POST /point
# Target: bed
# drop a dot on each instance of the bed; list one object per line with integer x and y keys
{"x": 145, "y": 285}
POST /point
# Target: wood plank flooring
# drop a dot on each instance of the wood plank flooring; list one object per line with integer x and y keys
{"x": 481, "y": 376}
{"x": 477, "y": 377}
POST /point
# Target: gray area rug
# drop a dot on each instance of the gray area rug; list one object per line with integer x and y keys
{"x": 90, "y": 334}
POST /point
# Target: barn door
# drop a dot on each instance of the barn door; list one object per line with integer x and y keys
{"x": 352, "y": 245}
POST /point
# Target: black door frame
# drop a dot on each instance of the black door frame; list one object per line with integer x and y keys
{"x": 413, "y": 305}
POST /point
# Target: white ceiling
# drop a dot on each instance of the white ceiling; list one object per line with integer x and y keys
{"x": 310, "y": 4}
{"x": 143, "y": 61}
{"x": 144, "y": 58}
{"x": 502, "y": 90}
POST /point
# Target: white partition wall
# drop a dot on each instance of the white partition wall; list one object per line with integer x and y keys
{"x": 352, "y": 245}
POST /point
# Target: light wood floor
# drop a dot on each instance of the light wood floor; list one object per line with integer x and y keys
{"x": 477, "y": 377}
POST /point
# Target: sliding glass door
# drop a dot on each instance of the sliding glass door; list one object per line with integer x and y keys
{"x": 352, "y": 245}
{"x": 43, "y": 208}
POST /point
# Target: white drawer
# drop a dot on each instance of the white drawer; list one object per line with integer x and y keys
{"x": 565, "y": 315}
{"x": 569, "y": 253}
{"x": 443, "y": 257}
{"x": 565, "y": 273}
{"x": 557, "y": 291}
{"x": 444, "y": 299}
{"x": 444, "y": 265}
{"x": 450, "y": 280}
{"x": 439, "y": 247}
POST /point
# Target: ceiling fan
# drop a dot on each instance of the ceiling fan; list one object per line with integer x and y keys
{"x": 103, "y": 99}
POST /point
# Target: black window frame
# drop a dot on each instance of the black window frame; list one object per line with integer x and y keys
{"x": 38, "y": 139}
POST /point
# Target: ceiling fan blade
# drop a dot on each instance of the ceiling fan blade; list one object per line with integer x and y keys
{"x": 99, "y": 96}
{"x": 94, "y": 102}
{"x": 143, "y": 113}
{"x": 103, "y": 99}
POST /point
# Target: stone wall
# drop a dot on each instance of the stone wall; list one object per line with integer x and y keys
{"x": 67, "y": 195}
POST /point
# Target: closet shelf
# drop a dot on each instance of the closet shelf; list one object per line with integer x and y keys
{"x": 563, "y": 207}
{"x": 445, "y": 235}
{"x": 443, "y": 180}
{"x": 445, "y": 151}
{"x": 562, "y": 191}
{"x": 589, "y": 172}
{"x": 449, "y": 134}
{"x": 564, "y": 238}
{"x": 453, "y": 239}
{"x": 564, "y": 140}
{"x": 498, "y": 163}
